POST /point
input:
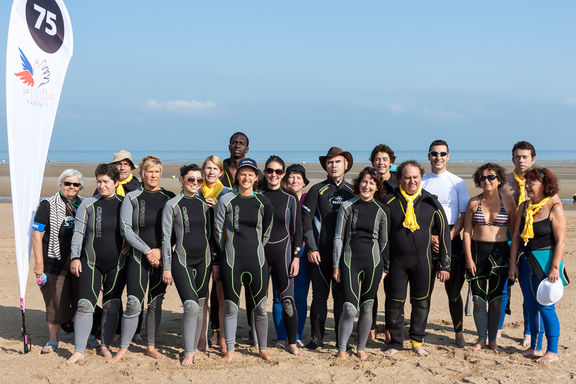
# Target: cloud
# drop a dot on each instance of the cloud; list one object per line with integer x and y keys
{"x": 435, "y": 114}
{"x": 571, "y": 100}
{"x": 180, "y": 106}
{"x": 395, "y": 108}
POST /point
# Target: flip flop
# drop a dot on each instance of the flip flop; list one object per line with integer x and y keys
{"x": 50, "y": 347}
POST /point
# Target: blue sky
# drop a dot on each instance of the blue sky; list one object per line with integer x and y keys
{"x": 306, "y": 75}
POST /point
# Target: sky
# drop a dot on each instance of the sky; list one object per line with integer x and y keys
{"x": 306, "y": 75}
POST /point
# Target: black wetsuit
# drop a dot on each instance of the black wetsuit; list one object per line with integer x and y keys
{"x": 242, "y": 227}
{"x": 319, "y": 214}
{"x": 97, "y": 243}
{"x": 141, "y": 215}
{"x": 282, "y": 247}
{"x": 187, "y": 226}
{"x": 361, "y": 253}
{"x": 411, "y": 262}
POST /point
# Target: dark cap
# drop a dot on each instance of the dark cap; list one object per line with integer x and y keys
{"x": 336, "y": 151}
{"x": 298, "y": 168}
{"x": 247, "y": 162}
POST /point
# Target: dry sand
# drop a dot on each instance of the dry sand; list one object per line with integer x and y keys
{"x": 445, "y": 364}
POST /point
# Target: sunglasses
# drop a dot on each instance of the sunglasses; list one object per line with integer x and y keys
{"x": 192, "y": 180}
{"x": 436, "y": 153}
{"x": 371, "y": 170}
{"x": 278, "y": 172}
{"x": 488, "y": 177}
{"x": 69, "y": 183}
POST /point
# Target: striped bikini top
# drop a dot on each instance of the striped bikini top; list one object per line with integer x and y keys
{"x": 501, "y": 220}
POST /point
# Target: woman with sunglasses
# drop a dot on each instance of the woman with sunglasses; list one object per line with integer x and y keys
{"x": 488, "y": 218}
{"x": 283, "y": 247}
{"x": 53, "y": 228}
{"x": 141, "y": 215}
{"x": 540, "y": 232}
{"x": 186, "y": 261}
{"x": 211, "y": 190}
{"x": 98, "y": 261}
{"x": 360, "y": 256}
{"x": 243, "y": 222}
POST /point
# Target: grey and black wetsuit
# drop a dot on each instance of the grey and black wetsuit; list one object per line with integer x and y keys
{"x": 319, "y": 214}
{"x": 361, "y": 253}
{"x": 97, "y": 243}
{"x": 283, "y": 246}
{"x": 141, "y": 216}
{"x": 242, "y": 227}
{"x": 411, "y": 262}
{"x": 188, "y": 221}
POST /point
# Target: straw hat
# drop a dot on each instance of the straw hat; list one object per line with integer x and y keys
{"x": 123, "y": 155}
{"x": 336, "y": 151}
{"x": 549, "y": 293}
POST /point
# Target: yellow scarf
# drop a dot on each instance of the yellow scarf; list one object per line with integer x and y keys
{"x": 213, "y": 191}
{"x": 410, "y": 217}
{"x": 528, "y": 232}
{"x": 120, "y": 189}
{"x": 521, "y": 188}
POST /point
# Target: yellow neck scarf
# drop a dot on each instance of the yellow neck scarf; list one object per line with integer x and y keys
{"x": 120, "y": 189}
{"x": 410, "y": 217}
{"x": 521, "y": 188}
{"x": 213, "y": 191}
{"x": 528, "y": 232}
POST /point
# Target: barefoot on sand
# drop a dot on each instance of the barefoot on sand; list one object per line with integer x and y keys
{"x": 526, "y": 340}
{"x": 420, "y": 351}
{"x": 228, "y": 356}
{"x": 104, "y": 352}
{"x": 118, "y": 356}
{"x": 494, "y": 347}
{"x": 264, "y": 354}
{"x": 480, "y": 344}
{"x": 548, "y": 357}
{"x": 153, "y": 352}
{"x": 189, "y": 359}
{"x": 459, "y": 339}
{"x": 361, "y": 355}
{"x": 293, "y": 349}
{"x": 76, "y": 356}
{"x": 532, "y": 353}
{"x": 391, "y": 352}
{"x": 342, "y": 355}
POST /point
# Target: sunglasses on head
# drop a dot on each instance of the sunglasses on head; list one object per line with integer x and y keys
{"x": 69, "y": 183}
{"x": 192, "y": 180}
{"x": 436, "y": 153}
{"x": 371, "y": 170}
{"x": 278, "y": 172}
{"x": 488, "y": 177}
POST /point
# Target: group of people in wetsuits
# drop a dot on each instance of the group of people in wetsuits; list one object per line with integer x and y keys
{"x": 236, "y": 225}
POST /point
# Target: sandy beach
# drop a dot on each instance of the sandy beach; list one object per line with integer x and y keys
{"x": 445, "y": 364}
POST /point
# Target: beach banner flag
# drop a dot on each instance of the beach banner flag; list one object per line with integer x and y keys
{"x": 39, "y": 48}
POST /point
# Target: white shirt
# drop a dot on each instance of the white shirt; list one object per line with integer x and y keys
{"x": 451, "y": 191}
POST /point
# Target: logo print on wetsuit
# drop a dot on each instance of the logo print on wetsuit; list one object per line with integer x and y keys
{"x": 142, "y": 211}
{"x": 186, "y": 220}
{"x": 237, "y": 218}
{"x": 98, "y": 222}
{"x": 336, "y": 200}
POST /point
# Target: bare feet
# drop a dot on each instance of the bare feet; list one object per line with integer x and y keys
{"x": 499, "y": 334}
{"x": 202, "y": 343}
{"x": 420, "y": 351}
{"x": 188, "y": 359}
{"x": 480, "y": 344}
{"x": 104, "y": 352}
{"x": 342, "y": 355}
{"x": 527, "y": 340}
{"x": 459, "y": 339}
{"x": 228, "y": 356}
{"x": 532, "y": 352}
{"x": 265, "y": 355}
{"x": 293, "y": 349}
{"x": 494, "y": 346}
{"x": 548, "y": 357}
{"x": 391, "y": 352}
{"x": 362, "y": 355}
{"x": 119, "y": 356}
{"x": 387, "y": 336}
{"x": 372, "y": 335}
{"x": 76, "y": 356}
{"x": 153, "y": 352}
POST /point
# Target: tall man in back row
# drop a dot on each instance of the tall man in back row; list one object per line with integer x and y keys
{"x": 319, "y": 214}
{"x": 125, "y": 165}
{"x": 452, "y": 193}
{"x": 415, "y": 216}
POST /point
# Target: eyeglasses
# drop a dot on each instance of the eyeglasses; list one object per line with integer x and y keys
{"x": 436, "y": 153}
{"x": 489, "y": 177}
{"x": 192, "y": 180}
{"x": 278, "y": 172}
{"x": 69, "y": 183}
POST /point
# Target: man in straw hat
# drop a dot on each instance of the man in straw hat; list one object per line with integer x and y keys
{"x": 319, "y": 212}
{"x": 123, "y": 162}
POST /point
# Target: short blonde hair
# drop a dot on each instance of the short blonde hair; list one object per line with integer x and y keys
{"x": 148, "y": 161}
{"x": 216, "y": 160}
